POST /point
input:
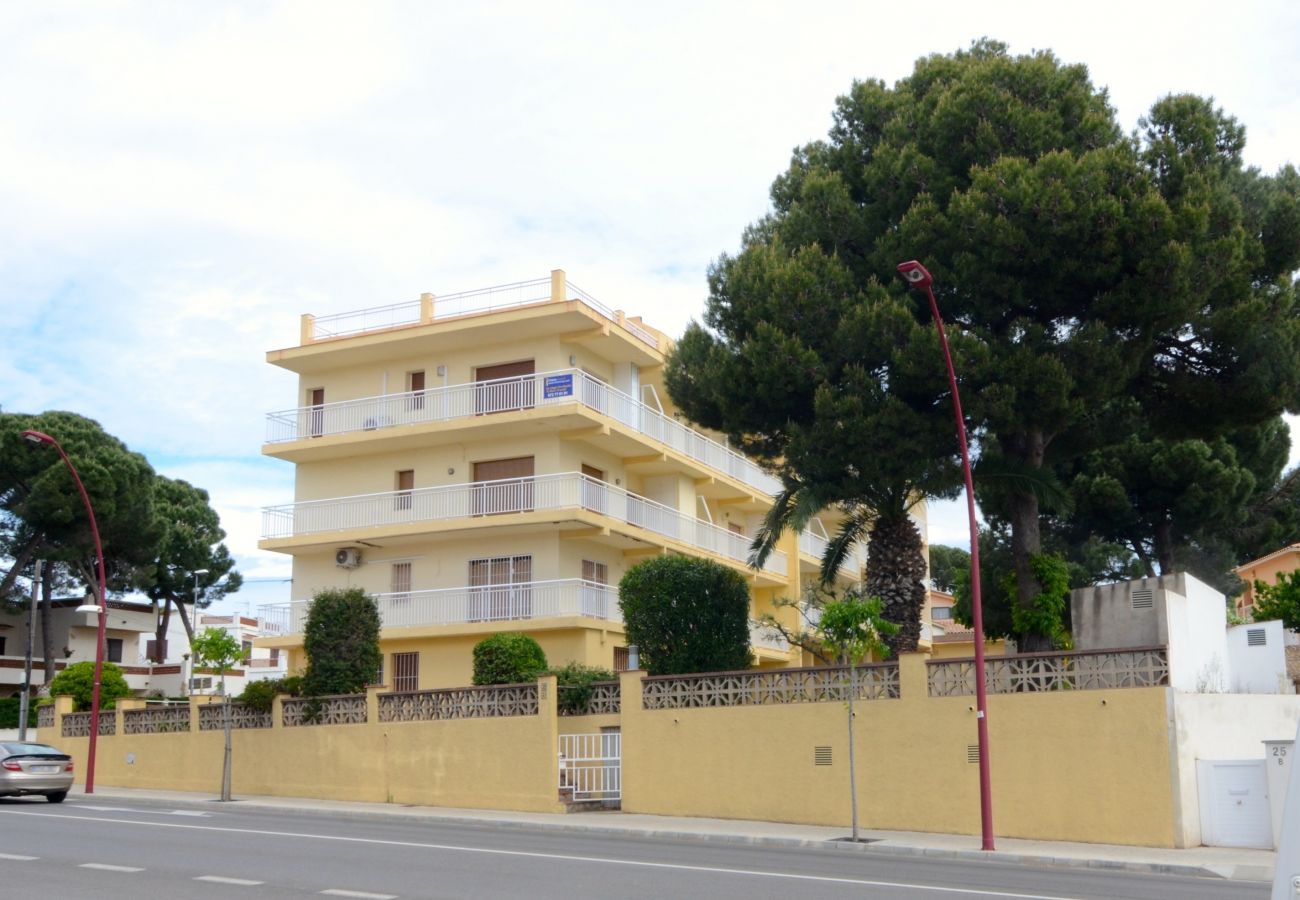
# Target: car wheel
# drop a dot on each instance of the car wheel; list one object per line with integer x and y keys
{"x": 56, "y": 797}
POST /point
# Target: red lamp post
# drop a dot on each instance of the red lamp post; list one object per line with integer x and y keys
{"x": 918, "y": 277}
{"x": 37, "y": 437}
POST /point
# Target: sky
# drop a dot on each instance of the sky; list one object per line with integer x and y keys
{"x": 180, "y": 182}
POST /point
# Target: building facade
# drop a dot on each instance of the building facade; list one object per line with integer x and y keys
{"x": 494, "y": 461}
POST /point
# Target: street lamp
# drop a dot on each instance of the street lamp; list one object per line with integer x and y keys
{"x": 918, "y": 277}
{"x": 101, "y": 607}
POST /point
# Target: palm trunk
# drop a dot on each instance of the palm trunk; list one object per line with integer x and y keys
{"x": 896, "y": 574}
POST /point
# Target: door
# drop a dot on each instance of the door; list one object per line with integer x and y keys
{"x": 404, "y": 481}
{"x": 316, "y": 400}
{"x": 595, "y": 496}
{"x": 1234, "y": 803}
{"x": 500, "y": 588}
{"x": 595, "y": 599}
{"x": 503, "y": 486}
{"x": 415, "y": 388}
{"x": 505, "y": 387}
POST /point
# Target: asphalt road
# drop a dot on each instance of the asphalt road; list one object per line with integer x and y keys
{"x": 88, "y": 848}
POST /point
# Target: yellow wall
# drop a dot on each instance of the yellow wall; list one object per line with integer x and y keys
{"x": 502, "y": 763}
{"x": 1066, "y": 765}
{"x": 1075, "y": 765}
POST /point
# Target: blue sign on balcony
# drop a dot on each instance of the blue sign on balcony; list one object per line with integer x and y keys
{"x": 557, "y": 386}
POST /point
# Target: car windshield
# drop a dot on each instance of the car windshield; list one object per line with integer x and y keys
{"x": 15, "y": 749}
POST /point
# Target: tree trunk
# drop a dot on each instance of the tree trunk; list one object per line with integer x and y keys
{"x": 1164, "y": 546}
{"x": 21, "y": 558}
{"x": 185, "y": 620}
{"x": 47, "y": 632}
{"x": 160, "y": 632}
{"x": 896, "y": 574}
{"x": 1140, "y": 551}
{"x": 1026, "y": 540}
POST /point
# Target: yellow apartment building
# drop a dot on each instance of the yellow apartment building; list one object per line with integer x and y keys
{"x": 494, "y": 461}
{"x": 1265, "y": 569}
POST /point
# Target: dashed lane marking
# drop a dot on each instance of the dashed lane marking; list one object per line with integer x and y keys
{"x": 105, "y": 867}
{"x": 222, "y": 879}
{"x": 17, "y": 858}
{"x": 334, "y": 892}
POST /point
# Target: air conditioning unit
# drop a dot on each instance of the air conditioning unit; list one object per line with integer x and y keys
{"x": 347, "y": 557}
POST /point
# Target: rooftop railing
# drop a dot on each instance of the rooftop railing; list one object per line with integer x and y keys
{"x": 566, "y": 490}
{"x": 467, "y": 401}
{"x": 464, "y": 605}
{"x": 465, "y": 303}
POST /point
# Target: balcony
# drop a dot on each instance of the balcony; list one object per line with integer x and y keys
{"x": 478, "y": 503}
{"x": 391, "y": 413}
{"x": 469, "y": 605}
{"x": 466, "y": 303}
{"x": 813, "y": 544}
{"x": 763, "y": 637}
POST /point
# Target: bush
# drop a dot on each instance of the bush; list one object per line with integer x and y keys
{"x": 78, "y": 682}
{"x": 259, "y": 695}
{"x": 9, "y": 709}
{"x": 686, "y": 615}
{"x": 574, "y": 681}
{"x": 508, "y": 659}
{"x": 341, "y": 640}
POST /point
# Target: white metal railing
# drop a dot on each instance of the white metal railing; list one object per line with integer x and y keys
{"x": 815, "y": 545}
{"x": 767, "y": 637}
{"x": 591, "y": 766}
{"x": 464, "y": 303}
{"x": 461, "y": 605}
{"x": 566, "y": 490}
{"x": 466, "y": 401}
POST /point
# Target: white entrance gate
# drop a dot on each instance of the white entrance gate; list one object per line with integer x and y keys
{"x": 591, "y": 767}
{"x": 1234, "y": 803}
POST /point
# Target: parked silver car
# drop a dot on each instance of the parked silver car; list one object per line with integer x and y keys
{"x": 27, "y": 768}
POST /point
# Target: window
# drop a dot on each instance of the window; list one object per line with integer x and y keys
{"x": 2, "y": 645}
{"x": 941, "y": 612}
{"x": 500, "y": 588}
{"x": 620, "y": 659}
{"x": 113, "y": 649}
{"x": 400, "y": 582}
{"x": 405, "y": 480}
{"x": 247, "y": 647}
{"x": 415, "y": 386}
{"x": 503, "y": 486}
{"x": 504, "y": 388}
{"x": 150, "y": 650}
{"x": 406, "y": 671}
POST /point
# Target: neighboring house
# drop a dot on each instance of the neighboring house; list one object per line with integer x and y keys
{"x": 950, "y": 639}
{"x": 494, "y": 461}
{"x": 1265, "y": 569}
{"x": 257, "y": 663}
{"x": 74, "y": 641}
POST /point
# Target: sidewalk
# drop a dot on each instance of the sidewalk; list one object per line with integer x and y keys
{"x": 1217, "y": 862}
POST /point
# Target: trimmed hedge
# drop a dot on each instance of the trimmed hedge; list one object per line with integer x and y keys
{"x": 508, "y": 659}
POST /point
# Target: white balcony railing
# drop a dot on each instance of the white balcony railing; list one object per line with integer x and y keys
{"x": 766, "y": 637}
{"x": 567, "y": 490}
{"x": 466, "y": 401}
{"x": 815, "y": 545}
{"x": 461, "y": 605}
{"x": 464, "y": 303}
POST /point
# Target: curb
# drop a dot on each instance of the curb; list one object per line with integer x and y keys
{"x": 878, "y": 846}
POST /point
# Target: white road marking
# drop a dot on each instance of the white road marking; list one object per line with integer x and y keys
{"x": 107, "y": 868}
{"x": 221, "y": 879}
{"x": 154, "y": 812}
{"x": 334, "y": 892}
{"x": 563, "y": 857}
{"x": 16, "y": 858}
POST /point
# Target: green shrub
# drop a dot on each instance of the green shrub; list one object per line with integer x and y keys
{"x": 508, "y": 659}
{"x": 259, "y": 695}
{"x": 78, "y": 682}
{"x": 686, "y": 615}
{"x": 574, "y": 681}
{"x": 341, "y": 640}
{"x": 9, "y": 709}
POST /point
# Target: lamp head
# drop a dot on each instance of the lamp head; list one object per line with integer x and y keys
{"x": 38, "y": 437}
{"x": 90, "y": 608}
{"x": 916, "y": 274}
{"x": 199, "y": 572}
